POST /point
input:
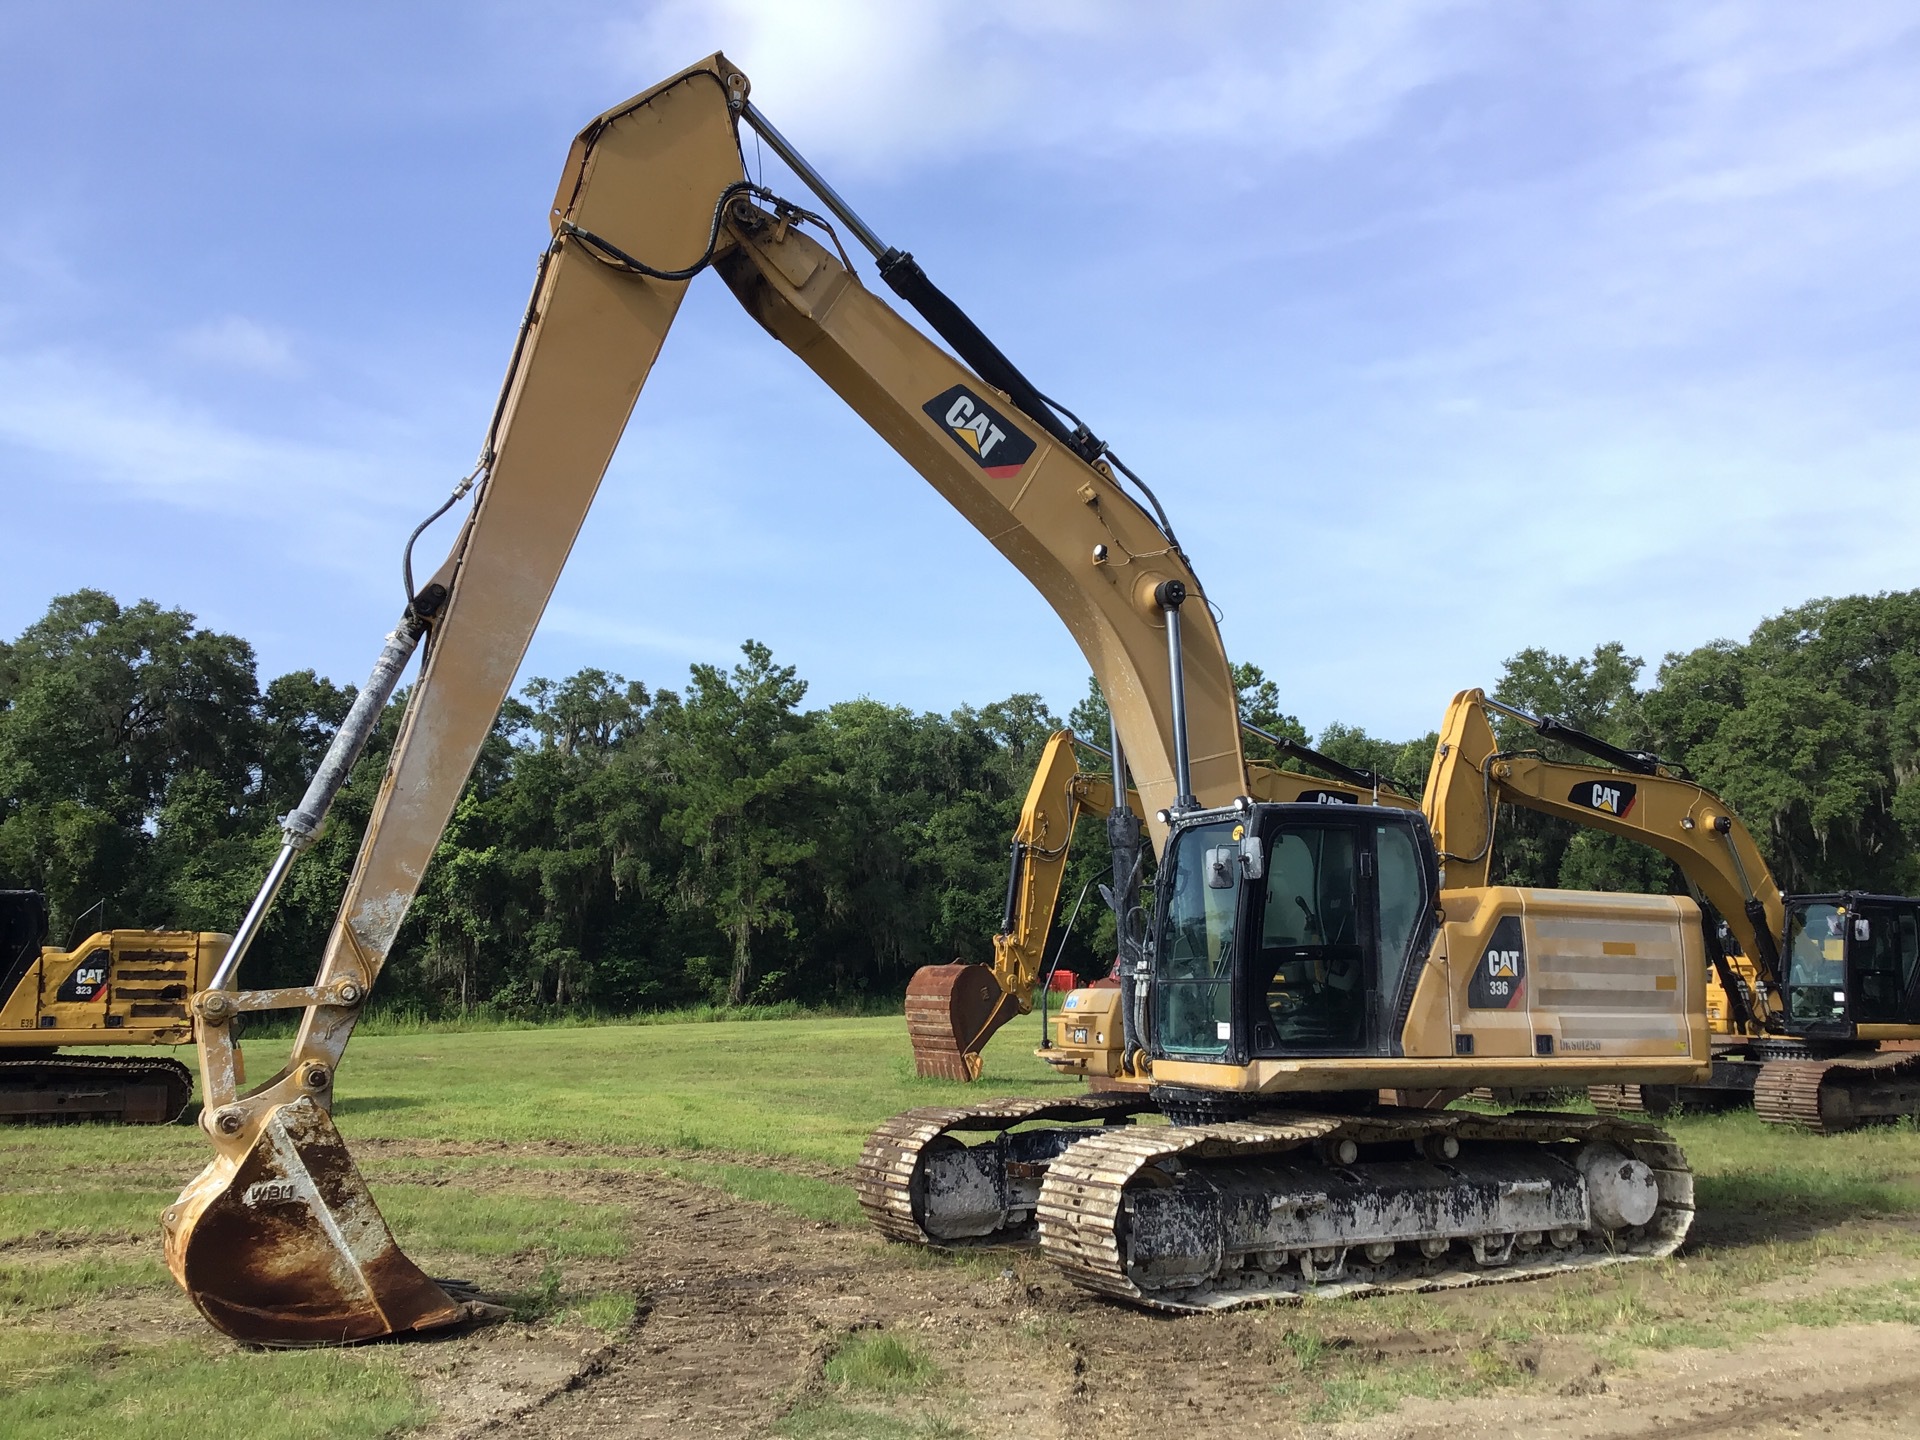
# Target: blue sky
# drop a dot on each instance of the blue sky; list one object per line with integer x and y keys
{"x": 1442, "y": 329}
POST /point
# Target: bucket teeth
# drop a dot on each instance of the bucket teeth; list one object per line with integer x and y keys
{"x": 282, "y": 1245}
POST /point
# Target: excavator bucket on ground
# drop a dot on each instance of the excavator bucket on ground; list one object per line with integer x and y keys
{"x": 280, "y": 1244}
{"x": 952, "y": 1011}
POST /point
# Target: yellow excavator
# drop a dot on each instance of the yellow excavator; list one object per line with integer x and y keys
{"x": 953, "y": 1010}
{"x": 115, "y": 988}
{"x": 1814, "y": 1003}
{"x": 1299, "y": 958}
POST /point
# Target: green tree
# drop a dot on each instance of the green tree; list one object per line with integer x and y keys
{"x": 104, "y": 711}
{"x": 1596, "y": 693}
{"x": 1811, "y": 731}
{"x": 743, "y": 795}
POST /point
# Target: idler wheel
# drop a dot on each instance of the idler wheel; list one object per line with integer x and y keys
{"x": 1621, "y": 1191}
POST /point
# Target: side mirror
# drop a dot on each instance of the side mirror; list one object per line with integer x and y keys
{"x": 1253, "y": 859}
{"x": 1221, "y": 869}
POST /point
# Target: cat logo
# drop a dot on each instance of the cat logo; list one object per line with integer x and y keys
{"x": 1609, "y": 797}
{"x": 1325, "y": 797}
{"x": 995, "y": 442}
{"x": 1500, "y": 979}
{"x": 83, "y": 982}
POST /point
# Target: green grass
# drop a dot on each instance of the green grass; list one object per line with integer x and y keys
{"x": 830, "y": 1420}
{"x": 871, "y": 1366}
{"x": 40, "y": 1286}
{"x": 381, "y": 1020}
{"x": 443, "y": 1219}
{"x": 770, "y": 1110}
{"x": 608, "y": 1312}
{"x": 880, "y": 1364}
{"x": 810, "y": 1089}
{"x": 73, "y": 1212}
{"x": 55, "y": 1386}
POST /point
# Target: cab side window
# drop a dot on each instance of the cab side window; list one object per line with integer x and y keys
{"x": 1402, "y": 888}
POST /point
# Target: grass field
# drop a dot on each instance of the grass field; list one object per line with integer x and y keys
{"x": 479, "y": 1146}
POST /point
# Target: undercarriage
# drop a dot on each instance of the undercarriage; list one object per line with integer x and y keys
{"x": 56, "y": 1089}
{"x": 1283, "y": 1204}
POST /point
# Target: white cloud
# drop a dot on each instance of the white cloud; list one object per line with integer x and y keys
{"x": 237, "y": 343}
{"x": 877, "y": 85}
{"x": 101, "y": 427}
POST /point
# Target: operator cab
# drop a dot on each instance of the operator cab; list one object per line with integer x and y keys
{"x": 1290, "y": 930}
{"x": 23, "y": 933}
{"x": 1852, "y": 959}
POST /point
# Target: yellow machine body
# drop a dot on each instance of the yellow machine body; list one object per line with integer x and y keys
{"x": 278, "y": 1240}
{"x": 118, "y": 987}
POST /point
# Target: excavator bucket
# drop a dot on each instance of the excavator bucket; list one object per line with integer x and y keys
{"x": 280, "y": 1244}
{"x": 952, "y": 1011}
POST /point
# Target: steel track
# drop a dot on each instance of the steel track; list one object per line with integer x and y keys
{"x": 1082, "y": 1216}
{"x": 63, "y": 1089}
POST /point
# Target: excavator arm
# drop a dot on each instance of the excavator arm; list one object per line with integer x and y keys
{"x": 953, "y": 1009}
{"x": 278, "y": 1241}
{"x": 1636, "y": 796}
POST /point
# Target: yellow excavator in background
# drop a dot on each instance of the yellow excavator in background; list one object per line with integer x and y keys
{"x": 117, "y": 987}
{"x": 1807, "y": 989}
{"x": 953, "y": 1010}
{"x": 1299, "y": 959}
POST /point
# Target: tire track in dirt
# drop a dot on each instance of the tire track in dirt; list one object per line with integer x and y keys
{"x": 741, "y": 1305}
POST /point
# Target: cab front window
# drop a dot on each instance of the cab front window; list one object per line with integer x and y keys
{"x": 1193, "y": 993}
{"x": 1817, "y": 961}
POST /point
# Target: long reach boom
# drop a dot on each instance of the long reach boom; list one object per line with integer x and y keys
{"x": 278, "y": 1240}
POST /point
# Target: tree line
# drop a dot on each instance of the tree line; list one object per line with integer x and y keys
{"x": 622, "y": 848}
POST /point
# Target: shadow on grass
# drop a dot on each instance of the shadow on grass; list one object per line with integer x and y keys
{"x": 1747, "y": 1206}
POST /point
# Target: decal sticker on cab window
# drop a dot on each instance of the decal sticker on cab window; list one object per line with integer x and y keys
{"x": 995, "y": 442}
{"x": 1500, "y": 979}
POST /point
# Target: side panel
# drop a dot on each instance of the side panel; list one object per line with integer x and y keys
{"x": 120, "y": 987}
{"x": 1430, "y": 1023}
{"x": 1617, "y": 974}
{"x": 1488, "y": 980}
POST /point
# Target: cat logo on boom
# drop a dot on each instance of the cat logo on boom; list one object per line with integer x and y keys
{"x": 1609, "y": 797}
{"x": 995, "y": 442}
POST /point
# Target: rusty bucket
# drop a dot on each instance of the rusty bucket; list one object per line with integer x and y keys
{"x": 952, "y": 1011}
{"x": 279, "y": 1243}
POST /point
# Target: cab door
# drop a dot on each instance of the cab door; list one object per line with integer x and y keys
{"x": 1346, "y": 899}
{"x": 1883, "y": 962}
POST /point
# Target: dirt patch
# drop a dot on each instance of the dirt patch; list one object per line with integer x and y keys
{"x": 1850, "y": 1383}
{"x": 739, "y": 1304}
{"x": 742, "y": 1303}
{"x": 531, "y": 1152}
